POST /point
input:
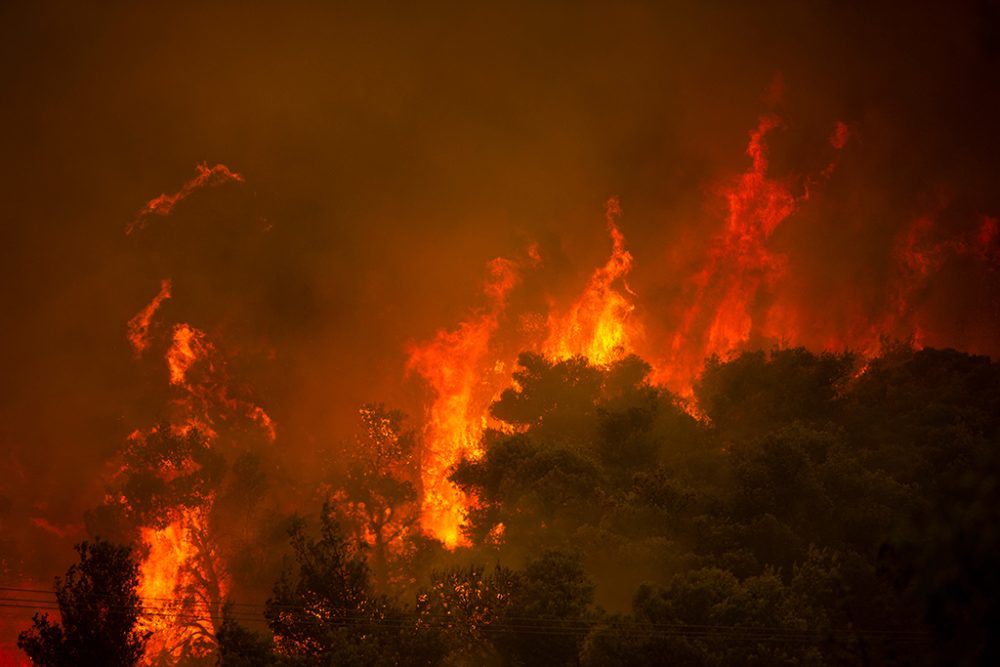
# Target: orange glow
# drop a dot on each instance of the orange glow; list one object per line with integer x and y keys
{"x": 919, "y": 256}
{"x": 138, "y": 326}
{"x": 258, "y": 415}
{"x": 736, "y": 298}
{"x": 180, "y": 588}
{"x": 465, "y": 375}
{"x": 719, "y": 317}
{"x": 182, "y": 580}
{"x": 189, "y": 345}
{"x": 840, "y": 135}
{"x": 66, "y": 531}
{"x": 161, "y": 572}
{"x": 456, "y": 365}
{"x": 599, "y": 325}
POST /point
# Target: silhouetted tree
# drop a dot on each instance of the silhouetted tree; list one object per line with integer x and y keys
{"x": 99, "y": 609}
{"x": 327, "y": 613}
{"x": 759, "y": 391}
{"x": 466, "y": 604}
{"x": 241, "y": 647}
{"x": 327, "y": 601}
{"x": 577, "y": 439}
{"x": 546, "y": 620}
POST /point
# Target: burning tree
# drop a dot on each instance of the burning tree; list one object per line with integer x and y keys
{"x": 380, "y": 496}
{"x": 162, "y": 499}
{"x": 164, "y": 495}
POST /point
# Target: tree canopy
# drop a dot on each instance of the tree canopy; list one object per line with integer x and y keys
{"x": 99, "y": 610}
{"x": 818, "y": 509}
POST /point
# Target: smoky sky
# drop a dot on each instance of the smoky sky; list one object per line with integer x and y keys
{"x": 390, "y": 150}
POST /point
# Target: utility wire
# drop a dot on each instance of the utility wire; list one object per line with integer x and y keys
{"x": 193, "y": 611}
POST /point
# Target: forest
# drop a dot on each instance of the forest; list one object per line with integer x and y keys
{"x": 806, "y": 509}
{"x": 500, "y": 333}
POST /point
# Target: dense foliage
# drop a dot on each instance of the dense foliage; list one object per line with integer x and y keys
{"x": 818, "y": 510}
{"x": 99, "y": 610}
{"x": 824, "y": 512}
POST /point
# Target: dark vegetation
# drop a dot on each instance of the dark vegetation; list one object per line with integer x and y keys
{"x": 824, "y": 514}
{"x": 99, "y": 609}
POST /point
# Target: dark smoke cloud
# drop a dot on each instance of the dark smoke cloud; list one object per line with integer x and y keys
{"x": 389, "y": 152}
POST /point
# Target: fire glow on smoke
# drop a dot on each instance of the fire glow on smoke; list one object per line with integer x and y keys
{"x": 719, "y": 313}
{"x": 466, "y": 367}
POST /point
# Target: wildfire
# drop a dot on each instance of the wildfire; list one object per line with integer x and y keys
{"x": 599, "y": 325}
{"x": 465, "y": 376}
{"x": 737, "y": 297}
{"x": 182, "y": 579}
{"x": 732, "y": 300}
{"x": 188, "y": 346}
{"x": 919, "y": 257}
{"x": 456, "y": 364}
{"x": 181, "y": 588}
{"x": 721, "y": 312}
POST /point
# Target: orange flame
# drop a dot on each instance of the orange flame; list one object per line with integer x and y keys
{"x": 734, "y": 299}
{"x": 599, "y": 324}
{"x": 738, "y": 268}
{"x": 918, "y": 259}
{"x": 180, "y": 588}
{"x": 138, "y": 326}
{"x": 189, "y": 345}
{"x": 454, "y": 364}
{"x": 465, "y": 377}
{"x": 164, "y": 204}
{"x": 182, "y": 580}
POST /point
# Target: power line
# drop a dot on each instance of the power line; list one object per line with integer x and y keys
{"x": 193, "y": 611}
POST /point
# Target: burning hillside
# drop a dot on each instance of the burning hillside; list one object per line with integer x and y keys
{"x": 619, "y": 297}
{"x": 733, "y": 302}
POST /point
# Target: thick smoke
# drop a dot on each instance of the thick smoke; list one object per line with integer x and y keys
{"x": 387, "y": 154}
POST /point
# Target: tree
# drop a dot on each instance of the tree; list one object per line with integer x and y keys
{"x": 708, "y": 617}
{"x": 575, "y": 438}
{"x": 328, "y": 601}
{"x": 166, "y": 471}
{"x": 381, "y": 496}
{"x": 240, "y": 646}
{"x": 536, "y": 490}
{"x": 546, "y": 620}
{"x": 557, "y": 399}
{"x": 327, "y": 613}
{"x": 99, "y": 607}
{"x": 465, "y": 604}
{"x": 534, "y": 616}
{"x": 759, "y": 391}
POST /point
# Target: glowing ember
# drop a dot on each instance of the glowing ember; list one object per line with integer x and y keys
{"x": 258, "y": 415}
{"x": 138, "y": 326}
{"x": 189, "y": 345}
